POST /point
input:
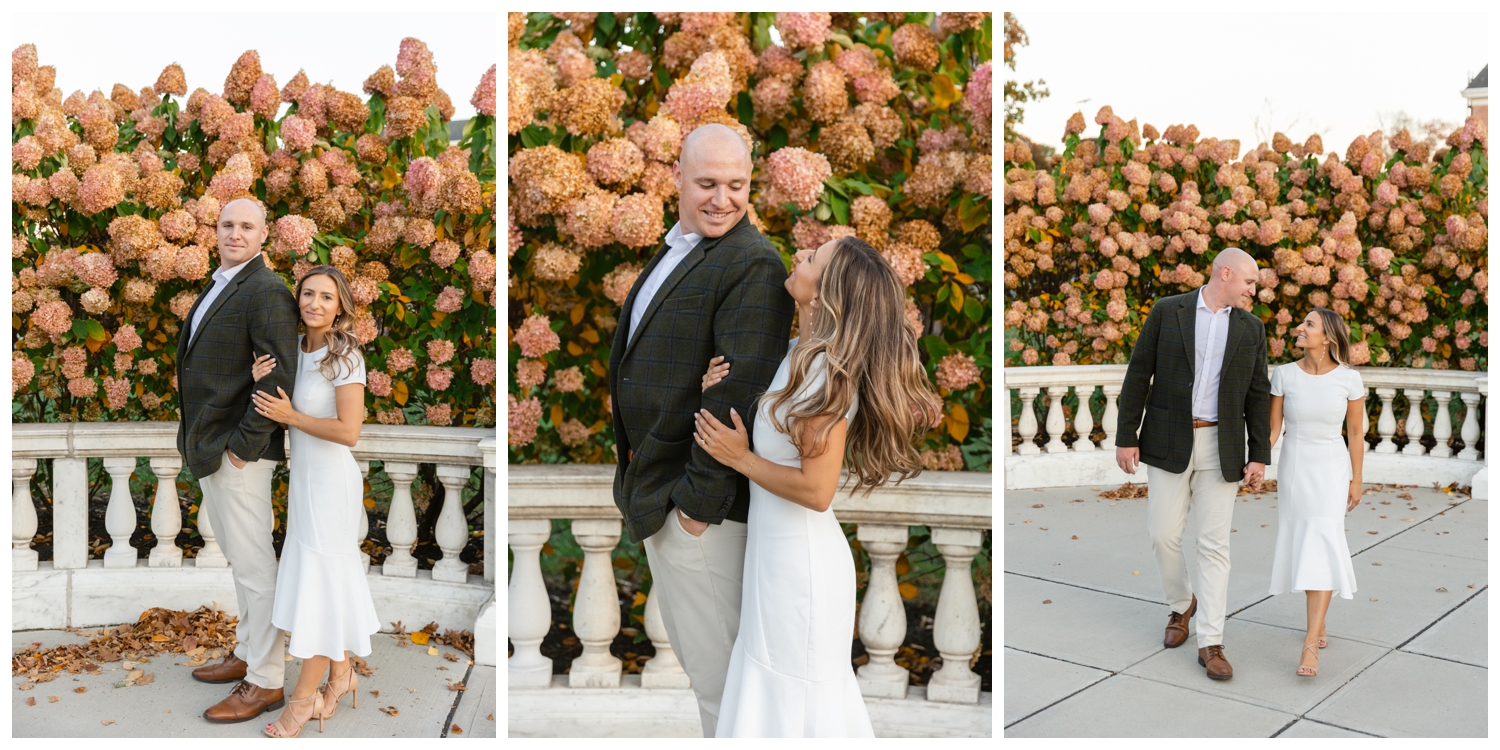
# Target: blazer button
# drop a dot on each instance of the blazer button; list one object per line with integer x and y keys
{"x": 627, "y": 380}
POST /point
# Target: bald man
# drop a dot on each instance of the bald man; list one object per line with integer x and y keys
{"x": 1198, "y": 371}
{"x": 715, "y": 288}
{"x": 232, "y": 449}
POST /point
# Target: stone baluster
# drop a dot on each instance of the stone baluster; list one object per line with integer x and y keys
{"x": 1481, "y": 483}
{"x": 452, "y": 528}
{"x": 1055, "y": 422}
{"x": 596, "y": 609}
{"x": 955, "y": 630}
{"x": 401, "y": 522}
{"x": 1442, "y": 425}
{"x": 364, "y": 518}
{"x": 22, "y": 515}
{"x": 210, "y": 556}
{"x": 487, "y": 450}
{"x": 1005, "y": 419}
{"x": 1386, "y": 425}
{"x": 1083, "y": 419}
{"x": 663, "y": 670}
{"x": 530, "y": 614}
{"x": 882, "y": 616}
{"x": 166, "y": 513}
{"x": 1414, "y": 425}
{"x": 70, "y": 513}
{"x": 1028, "y": 422}
{"x": 1111, "y": 415}
{"x": 1470, "y": 429}
{"x": 119, "y": 516}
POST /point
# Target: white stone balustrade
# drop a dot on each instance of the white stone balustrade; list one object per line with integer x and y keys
{"x": 72, "y": 590}
{"x": 956, "y": 506}
{"x": 1054, "y": 464}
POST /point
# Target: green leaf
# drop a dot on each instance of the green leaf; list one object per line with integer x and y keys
{"x": 745, "y": 109}
{"x": 840, "y": 206}
{"x": 862, "y": 188}
{"x": 778, "y": 138}
{"x": 534, "y": 136}
{"x": 80, "y": 329}
{"x": 936, "y": 347}
{"x": 605, "y": 22}
{"x": 971, "y": 250}
{"x": 96, "y": 331}
{"x": 972, "y": 310}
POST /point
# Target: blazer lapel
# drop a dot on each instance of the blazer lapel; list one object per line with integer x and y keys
{"x": 693, "y": 258}
{"x": 229, "y": 291}
{"x": 1187, "y": 323}
{"x": 1238, "y": 330}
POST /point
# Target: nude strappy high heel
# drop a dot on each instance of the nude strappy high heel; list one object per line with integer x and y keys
{"x": 1308, "y": 671}
{"x": 331, "y": 702}
{"x": 317, "y": 708}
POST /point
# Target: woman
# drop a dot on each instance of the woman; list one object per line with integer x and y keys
{"x": 1320, "y": 477}
{"x": 789, "y": 672}
{"x": 322, "y": 597}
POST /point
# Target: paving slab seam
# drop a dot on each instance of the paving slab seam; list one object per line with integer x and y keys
{"x": 1335, "y": 726}
{"x": 458, "y": 696}
{"x": 1085, "y": 588}
{"x": 1059, "y": 700}
{"x": 1356, "y": 676}
{"x": 1350, "y": 638}
{"x": 1403, "y": 644}
{"x": 1442, "y": 658}
{"x": 1287, "y": 726}
{"x": 1074, "y": 663}
{"x": 1413, "y": 526}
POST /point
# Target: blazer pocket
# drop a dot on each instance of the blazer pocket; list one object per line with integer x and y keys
{"x": 649, "y": 458}
{"x": 1154, "y": 432}
{"x": 678, "y": 303}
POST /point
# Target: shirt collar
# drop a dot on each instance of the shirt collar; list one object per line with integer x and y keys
{"x": 226, "y": 275}
{"x": 1204, "y": 305}
{"x": 676, "y": 238}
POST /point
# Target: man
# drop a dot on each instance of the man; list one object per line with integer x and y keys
{"x": 1198, "y": 371}
{"x": 715, "y": 288}
{"x": 232, "y": 449}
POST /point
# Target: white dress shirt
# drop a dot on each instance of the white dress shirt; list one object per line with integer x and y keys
{"x": 678, "y": 246}
{"x": 222, "y": 277}
{"x": 1210, "y": 335}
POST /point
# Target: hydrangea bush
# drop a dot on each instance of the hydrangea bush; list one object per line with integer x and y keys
{"x": 115, "y": 199}
{"x": 876, "y": 125}
{"x": 1392, "y": 235}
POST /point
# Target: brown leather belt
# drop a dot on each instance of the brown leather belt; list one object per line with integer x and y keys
{"x": 1202, "y": 423}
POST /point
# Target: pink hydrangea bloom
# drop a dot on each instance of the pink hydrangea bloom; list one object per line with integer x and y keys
{"x": 379, "y": 383}
{"x": 83, "y": 387}
{"x": 423, "y": 179}
{"x": 637, "y": 220}
{"x": 797, "y": 176}
{"x": 482, "y": 371}
{"x": 568, "y": 380}
{"x": 400, "y": 360}
{"x": 298, "y": 133}
{"x": 957, "y": 371}
{"x": 438, "y": 378}
{"x": 522, "y": 420}
{"x": 484, "y": 95}
{"x": 450, "y": 300}
{"x": 440, "y": 415}
{"x": 535, "y": 336}
{"x": 21, "y": 372}
{"x": 804, "y": 30}
{"x": 440, "y": 350}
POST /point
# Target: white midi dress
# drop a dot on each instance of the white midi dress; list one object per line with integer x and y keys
{"x": 1312, "y": 553}
{"x": 789, "y": 671}
{"x": 322, "y": 597}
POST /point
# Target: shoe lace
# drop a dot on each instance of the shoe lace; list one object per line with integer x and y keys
{"x": 243, "y": 687}
{"x": 1176, "y": 618}
{"x": 1216, "y": 652}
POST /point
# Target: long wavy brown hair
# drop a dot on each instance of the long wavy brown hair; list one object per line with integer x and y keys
{"x": 343, "y": 345}
{"x": 861, "y": 326}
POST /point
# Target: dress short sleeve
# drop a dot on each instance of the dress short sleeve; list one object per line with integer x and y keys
{"x": 1276, "y": 378}
{"x": 1357, "y": 389}
{"x": 356, "y": 374}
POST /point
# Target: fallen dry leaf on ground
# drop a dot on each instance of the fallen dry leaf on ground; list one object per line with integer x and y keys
{"x": 1046, "y": 601}
{"x": 26, "y": 686}
{"x": 456, "y": 687}
{"x": 54, "y": 699}
{"x": 375, "y": 693}
{"x": 491, "y": 717}
{"x": 457, "y": 729}
{"x": 432, "y": 651}
{"x": 420, "y": 638}
{"x": 156, "y": 631}
{"x": 80, "y": 689}
{"x": 392, "y": 710}
{"x": 31, "y": 701}
{"x": 107, "y": 722}
{"x": 450, "y": 656}
{"x": 403, "y": 643}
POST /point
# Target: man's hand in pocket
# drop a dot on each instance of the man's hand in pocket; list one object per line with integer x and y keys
{"x": 696, "y": 528}
{"x": 236, "y": 460}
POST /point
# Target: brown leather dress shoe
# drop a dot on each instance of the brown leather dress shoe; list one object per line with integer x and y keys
{"x": 244, "y": 703}
{"x": 1212, "y": 657}
{"x": 232, "y": 669}
{"x": 1177, "y": 626}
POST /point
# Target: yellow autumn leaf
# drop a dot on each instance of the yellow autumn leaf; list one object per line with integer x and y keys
{"x": 420, "y": 638}
{"x": 598, "y": 368}
{"x": 590, "y": 335}
{"x": 577, "y": 313}
{"x": 574, "y": 349}
{"x": 958, "y": 422}
{"x": 370, "y": 502}
{"x": 639, "y": 600}
{"x": 908, "y": 591}
{"x": 946, "y": 261}
{"x": 957, "y": 298}
{"x": 944, "y": 92}
{"x": 159, "y": 638}
{"x": 963, "y": 278}
{"x": 903, "y": 566}
{"x": 398, "y": 392}
{"x": 557, "y": 414}
{"x": 432, "y": 651}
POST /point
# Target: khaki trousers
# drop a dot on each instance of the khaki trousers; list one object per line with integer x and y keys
{"x": 1170, "y": 497}
{"x": 697, "y": 583}
{"x": 239, "y": 507}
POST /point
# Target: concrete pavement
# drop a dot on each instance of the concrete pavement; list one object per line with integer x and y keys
{"x": 408, "y": 679}
{"x": 1084, "y": 614}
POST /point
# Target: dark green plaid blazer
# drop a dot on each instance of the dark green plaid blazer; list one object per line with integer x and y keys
{"x": 254, "y": 315}
{"x": 726, "y": 296}
{"x": 1159, "y": 380}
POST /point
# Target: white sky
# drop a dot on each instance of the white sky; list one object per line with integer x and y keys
{"x": 97, "y": 50}
{"x": 1329, "y": 73}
